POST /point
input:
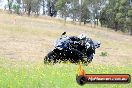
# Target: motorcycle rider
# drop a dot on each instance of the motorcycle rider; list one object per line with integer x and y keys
{"x": 87, "y": 45}
{"x": 81, "y": 43}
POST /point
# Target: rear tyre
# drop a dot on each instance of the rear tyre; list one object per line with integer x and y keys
{"x": 50, "y": 58}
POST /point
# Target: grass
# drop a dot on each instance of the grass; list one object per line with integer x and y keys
{"x": 103, "y": 54}
{"x": 24, "y": 44}
{"x": 37, "y": 75}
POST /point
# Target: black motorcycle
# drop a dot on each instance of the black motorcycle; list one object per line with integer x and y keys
{"x": 71, "y": 49}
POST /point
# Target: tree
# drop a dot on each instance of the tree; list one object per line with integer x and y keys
{"x": 95, "y": 6}
{"x": 16, "y": 8}
{"x": 62, "y": 7}
{"x": 71, "y": 8}
{"x": 129, "y": 20}
{"x": 19, "y": 1}
{"x": 85, "y": 13}
{"x": 116, "y": 15}
{"x": 43, "y": 5}
{"x": 36, "y": 4}
{"x": 10, "y": 5}
{"x": 28, "y": 6}
{"x": 51, "y": 7}
{"x": 32, "y": 6}
{"x": 74, "y": 10}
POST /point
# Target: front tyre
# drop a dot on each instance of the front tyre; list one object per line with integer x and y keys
{"x": 90, "y": 58}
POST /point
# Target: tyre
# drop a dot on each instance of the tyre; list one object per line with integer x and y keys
{"x": 46, "y": 60}
{"x": 50, "y": 58}
{"x": 90, "y": 58}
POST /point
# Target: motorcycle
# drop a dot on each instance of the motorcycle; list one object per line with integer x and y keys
{"x": 73, "y": 50}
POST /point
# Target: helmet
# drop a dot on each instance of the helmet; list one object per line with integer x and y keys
{"x": 82, "y": 36}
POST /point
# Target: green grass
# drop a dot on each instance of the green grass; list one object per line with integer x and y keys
{"x": 37, "y": 75}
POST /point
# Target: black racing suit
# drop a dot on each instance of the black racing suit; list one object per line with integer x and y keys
{"x": 77, "y": 44}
